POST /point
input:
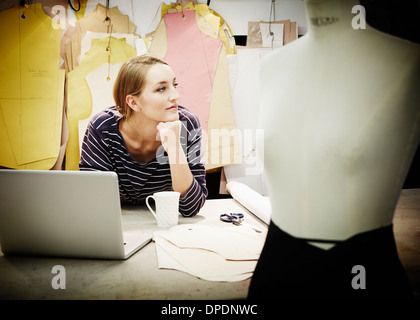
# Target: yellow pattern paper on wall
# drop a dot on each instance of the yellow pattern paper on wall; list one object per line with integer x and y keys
{"x": 79, "y": 101}
{"x": 31, "y": 89}
{"x": 96, "y": 21}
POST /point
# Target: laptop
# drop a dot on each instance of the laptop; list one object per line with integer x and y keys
{"x": 72, "y": 214}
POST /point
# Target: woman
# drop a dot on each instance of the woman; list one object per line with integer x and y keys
{"x": 151, "y": 142}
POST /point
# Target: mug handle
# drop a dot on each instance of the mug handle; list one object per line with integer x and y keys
{"x": 150, "y": 208}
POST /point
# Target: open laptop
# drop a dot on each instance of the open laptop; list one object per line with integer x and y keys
{"x": 64, "y": 213}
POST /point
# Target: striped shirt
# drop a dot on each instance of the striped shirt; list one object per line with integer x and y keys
{"x": 104, "y": 149}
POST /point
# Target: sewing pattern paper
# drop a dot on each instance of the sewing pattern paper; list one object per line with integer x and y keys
{"x": 96, "y": 21}
{"x": 124, "y": 6}
{"x": 85, "y": 46}
{"x": 210, "y": 253}
{"x": 31, "y": 89}
{"x": 101, "y": 83}
{"x": 221, "y": 117}
{"x": 216, "y": 21}
{"x": 193, "y": 56}
{"x": 244, "y": 71}
{"x": 79, "y": 96}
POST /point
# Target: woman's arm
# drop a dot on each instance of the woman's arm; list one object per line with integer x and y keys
{"x": 182, "y": 177}
{"x": 187, "y": 172}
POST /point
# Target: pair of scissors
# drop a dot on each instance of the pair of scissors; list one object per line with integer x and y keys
{"x": 237, "y": 219}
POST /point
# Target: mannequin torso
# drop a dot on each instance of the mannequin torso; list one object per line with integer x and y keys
{"x": 340, "y": 109}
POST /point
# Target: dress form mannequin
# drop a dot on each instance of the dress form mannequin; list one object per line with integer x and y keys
{"x": 340, "y": 109}
{"x": 341, "y": 116}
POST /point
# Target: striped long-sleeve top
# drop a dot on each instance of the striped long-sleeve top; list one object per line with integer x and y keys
{"x": 104, "y": 149}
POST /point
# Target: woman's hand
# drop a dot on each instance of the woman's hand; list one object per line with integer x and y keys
{"x": 169, "y": 133}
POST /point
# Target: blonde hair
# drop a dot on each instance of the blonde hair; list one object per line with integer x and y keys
{"x": 131, "y": 79}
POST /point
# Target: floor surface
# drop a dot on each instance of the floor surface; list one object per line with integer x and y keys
{"x": 407, "y": 234}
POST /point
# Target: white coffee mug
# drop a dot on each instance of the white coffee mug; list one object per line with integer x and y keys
{"x": 167, "y": 208}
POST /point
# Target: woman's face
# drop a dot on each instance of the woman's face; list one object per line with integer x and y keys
{"x": 159, "y": 98}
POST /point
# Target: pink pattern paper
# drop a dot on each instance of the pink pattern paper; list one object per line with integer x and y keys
{"x": 193, "y": 56}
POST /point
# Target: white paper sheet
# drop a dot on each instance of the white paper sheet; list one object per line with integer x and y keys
{"x": 244, "y": 70}
{"x": 232, "y": 243}
{"x": 209, "y": 253}
{"x": 275, "y": 39}
{"x": 146, "y": 16}
{"x": 202, "y": 264}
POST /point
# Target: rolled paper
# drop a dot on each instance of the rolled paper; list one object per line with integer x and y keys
{"x": 255, "y": 202}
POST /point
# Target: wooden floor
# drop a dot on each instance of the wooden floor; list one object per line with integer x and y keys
{"x": 407, "y": 234}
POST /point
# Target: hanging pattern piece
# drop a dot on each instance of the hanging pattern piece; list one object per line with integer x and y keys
{"x": 193, "y": 57}
{"x": 218, "y": 151}
{"x": 79, "y": 95}
{"x": 101, "y": 83}
{"x": 31, "y": 89}
{"x": 216, "y": 21}
{"x": 96, "y": 21}
{"x": 94, "y": 46}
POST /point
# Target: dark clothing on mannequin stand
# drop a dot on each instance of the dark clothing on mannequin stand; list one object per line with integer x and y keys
{"x": 291, "y": 268}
